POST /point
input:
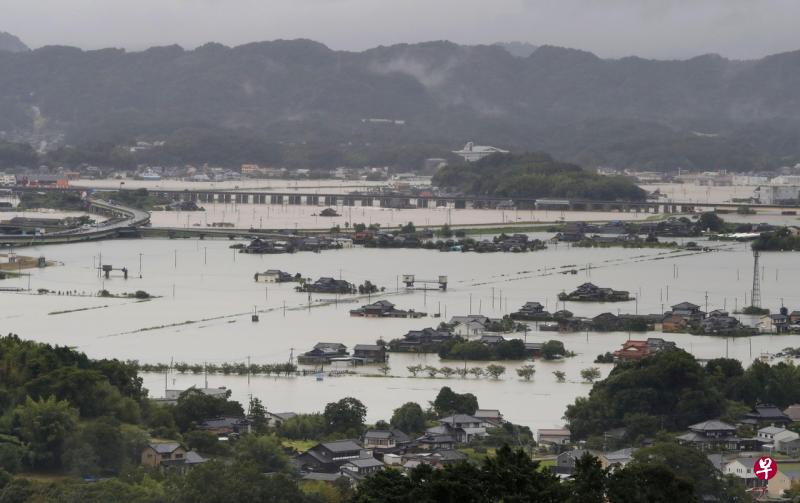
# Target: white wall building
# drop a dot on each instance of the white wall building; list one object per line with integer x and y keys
{"x": 472, "y": 152}
{"x": 775, "y": 194}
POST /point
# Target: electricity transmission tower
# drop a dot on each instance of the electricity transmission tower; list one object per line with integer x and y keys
{"x": 755, "y": 295}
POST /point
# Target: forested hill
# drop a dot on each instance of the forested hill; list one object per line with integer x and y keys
{"x": 11, "y": 43}
{"x": 705, "y": 112}
{"x": 534, "y": 175}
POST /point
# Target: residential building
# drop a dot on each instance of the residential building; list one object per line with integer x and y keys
{"x": 774, "y": 323}
{"x": 358, "y": 469}
{"x": 273, "y": 276}
{"x": 330, "y": 285}
{"x": 782, "y": 482}
{"x": 589, "y": 292}
{"x": 638, "y": 349}
{"x": 778, "y": 436}
{"x": 369, "y": 353}
{"x": 472, "y": 152}
{"x": 386, "y": 439}
{"x": 793, "y": 412}
{"x": 565, "y": 462}
{"x": 155, "y": 453}
{"x": 275, "y": 419}
{"x": 383, "y": 309}
{"x": 688, "y": 311}
{"x": 438, "y": 458}
{"x": 473, "y": 325}
{"x": 531, "y": 311}
{"x": 330, "y": 456}
{"x": 171, "y": 395}
{"x": 489, "y": 417}
{"x": 716, "y": 435}
{"x": 766, "y": 414}
{"x": 553, "y": 436}
{"x": 425, "y": 340}
{"x": 463, "y": 427}
{"x": 433, "y": 441}
{"x": 323, "y": 352}
{"x": 225, "y": 426}
{"x": 743, "y": 468}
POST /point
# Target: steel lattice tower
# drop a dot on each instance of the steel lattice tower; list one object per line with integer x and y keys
{"x": 755, "y": 296}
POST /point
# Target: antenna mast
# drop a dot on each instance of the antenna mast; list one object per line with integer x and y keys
{"x": 755, "y": 295}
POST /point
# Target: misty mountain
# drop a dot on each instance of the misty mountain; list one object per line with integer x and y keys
{"x": 704, "y": 112}
{"x": 11, "y": 43}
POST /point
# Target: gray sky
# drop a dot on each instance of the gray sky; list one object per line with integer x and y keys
{"x": 609, "y": 28}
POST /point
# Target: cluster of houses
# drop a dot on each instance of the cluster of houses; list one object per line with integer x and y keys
{"x": 378, "y": 449}
{"x": 325, "y": 353}
{"x": 328, "y": 285}
{"x": 291, "y": 244}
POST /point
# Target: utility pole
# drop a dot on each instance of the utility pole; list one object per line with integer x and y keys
{"x": 140, "y": 266}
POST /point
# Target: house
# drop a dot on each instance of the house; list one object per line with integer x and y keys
{"x": 383, "y": 309}
{"x": 472, "y": 152}
{"x": 688, "y": 311}
{"x": 794, "y": 317}
{"x": 358, "y": 469}
{"x": 330, "y": 285}
{"x": 225, "y": 426}
{"x": 473, "y": 325}
{"x": 637, "y": 349}
{"x": 330, "y": 456}
{"x": 632, "y": 350}
{"x": 619, "y": 458}
{"x": 781, "y": 482}
{"x": 156, "y": 453}
{"x": 589, "y": 292}
{"x": 533, "y": 349}
{"x": 369, "y": 353}
{"x": 766, "y": 414}
{"x": 790, "y": 447}
{"x": 554, "y": 436}
{"x": 183, "y": 465}
{"x": 774, "y": 323}
{"x": 489, "y": 418}
{"x": 565, "y": 462}
{"x": 793, "y": 412}
{"x": 674, "y": 323}
{"x": 491, "y": 340}
{"x": 434, "y": 441}
{"x": 777, "y": 436}
{"x": 438, "y": 458}
{"x": 531, "y": 311}
{"x": 425, "y": 340}
{"x": 273, "y": 276}
{"x": 743, "y": 468}
{"x": 719, "y": 322}
{"x": 716, "y": 435}
{"x": 606, "y": 322}
{"x": 323, "y": 352}
{"x": 276, "y": 419}
{"x": 463, "y": 427}
{"x": 386, "y": 439}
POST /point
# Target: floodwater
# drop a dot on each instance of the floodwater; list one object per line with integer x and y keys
{"x": 206, "y": 280}
{"x": 276, "y": 216}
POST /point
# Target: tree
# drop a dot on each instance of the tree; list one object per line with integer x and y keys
{"x": 590, "y": 374}
{"x": 450, "y": 402}
{"x": 553, "y": 349}
{"x": 414, "y": 369}
{"x": 258, "y": 415}
{"x": 218, "y": 482}
{"x": 45, "y": 425}
{"x": 195, "y": 406}
{"x": 409, "y": 418}
{"x": 384, "y": 369}
{"x": 476, "y": 371}
{"x": 710, "y": 221}
{"x": 560, "y": 375}
{"x": 447, "y": 371}
{"x": 346, "y": 415}
{"x": 526, "y": 372}
{"x": 431, "y": 371}
{"x": 588, "y": 484}
{"x": 263, "y": 451}
{"x": 650, "y": 484}
{"x": 495, "y": 370}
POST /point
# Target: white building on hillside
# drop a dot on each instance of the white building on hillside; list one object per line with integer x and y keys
{"x": 472, "y": 152}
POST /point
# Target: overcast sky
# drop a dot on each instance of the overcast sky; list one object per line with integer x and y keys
{"x": 609, "y": 28}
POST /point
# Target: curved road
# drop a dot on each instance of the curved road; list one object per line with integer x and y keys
{"x": 122, "y": 217}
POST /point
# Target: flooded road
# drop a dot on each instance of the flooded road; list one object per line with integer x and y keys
{"x": 206, "y": 293}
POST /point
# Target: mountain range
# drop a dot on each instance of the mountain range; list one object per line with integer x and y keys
{"x": 706, "y": 112}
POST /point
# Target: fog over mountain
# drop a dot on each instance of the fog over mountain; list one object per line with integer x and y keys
{"x": 705, "y": 112}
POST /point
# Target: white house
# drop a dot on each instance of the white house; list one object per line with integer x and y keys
{"x": 743, "y": 469}
{"x": 472, "y": 152}
{"x": 777, "y": 436}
